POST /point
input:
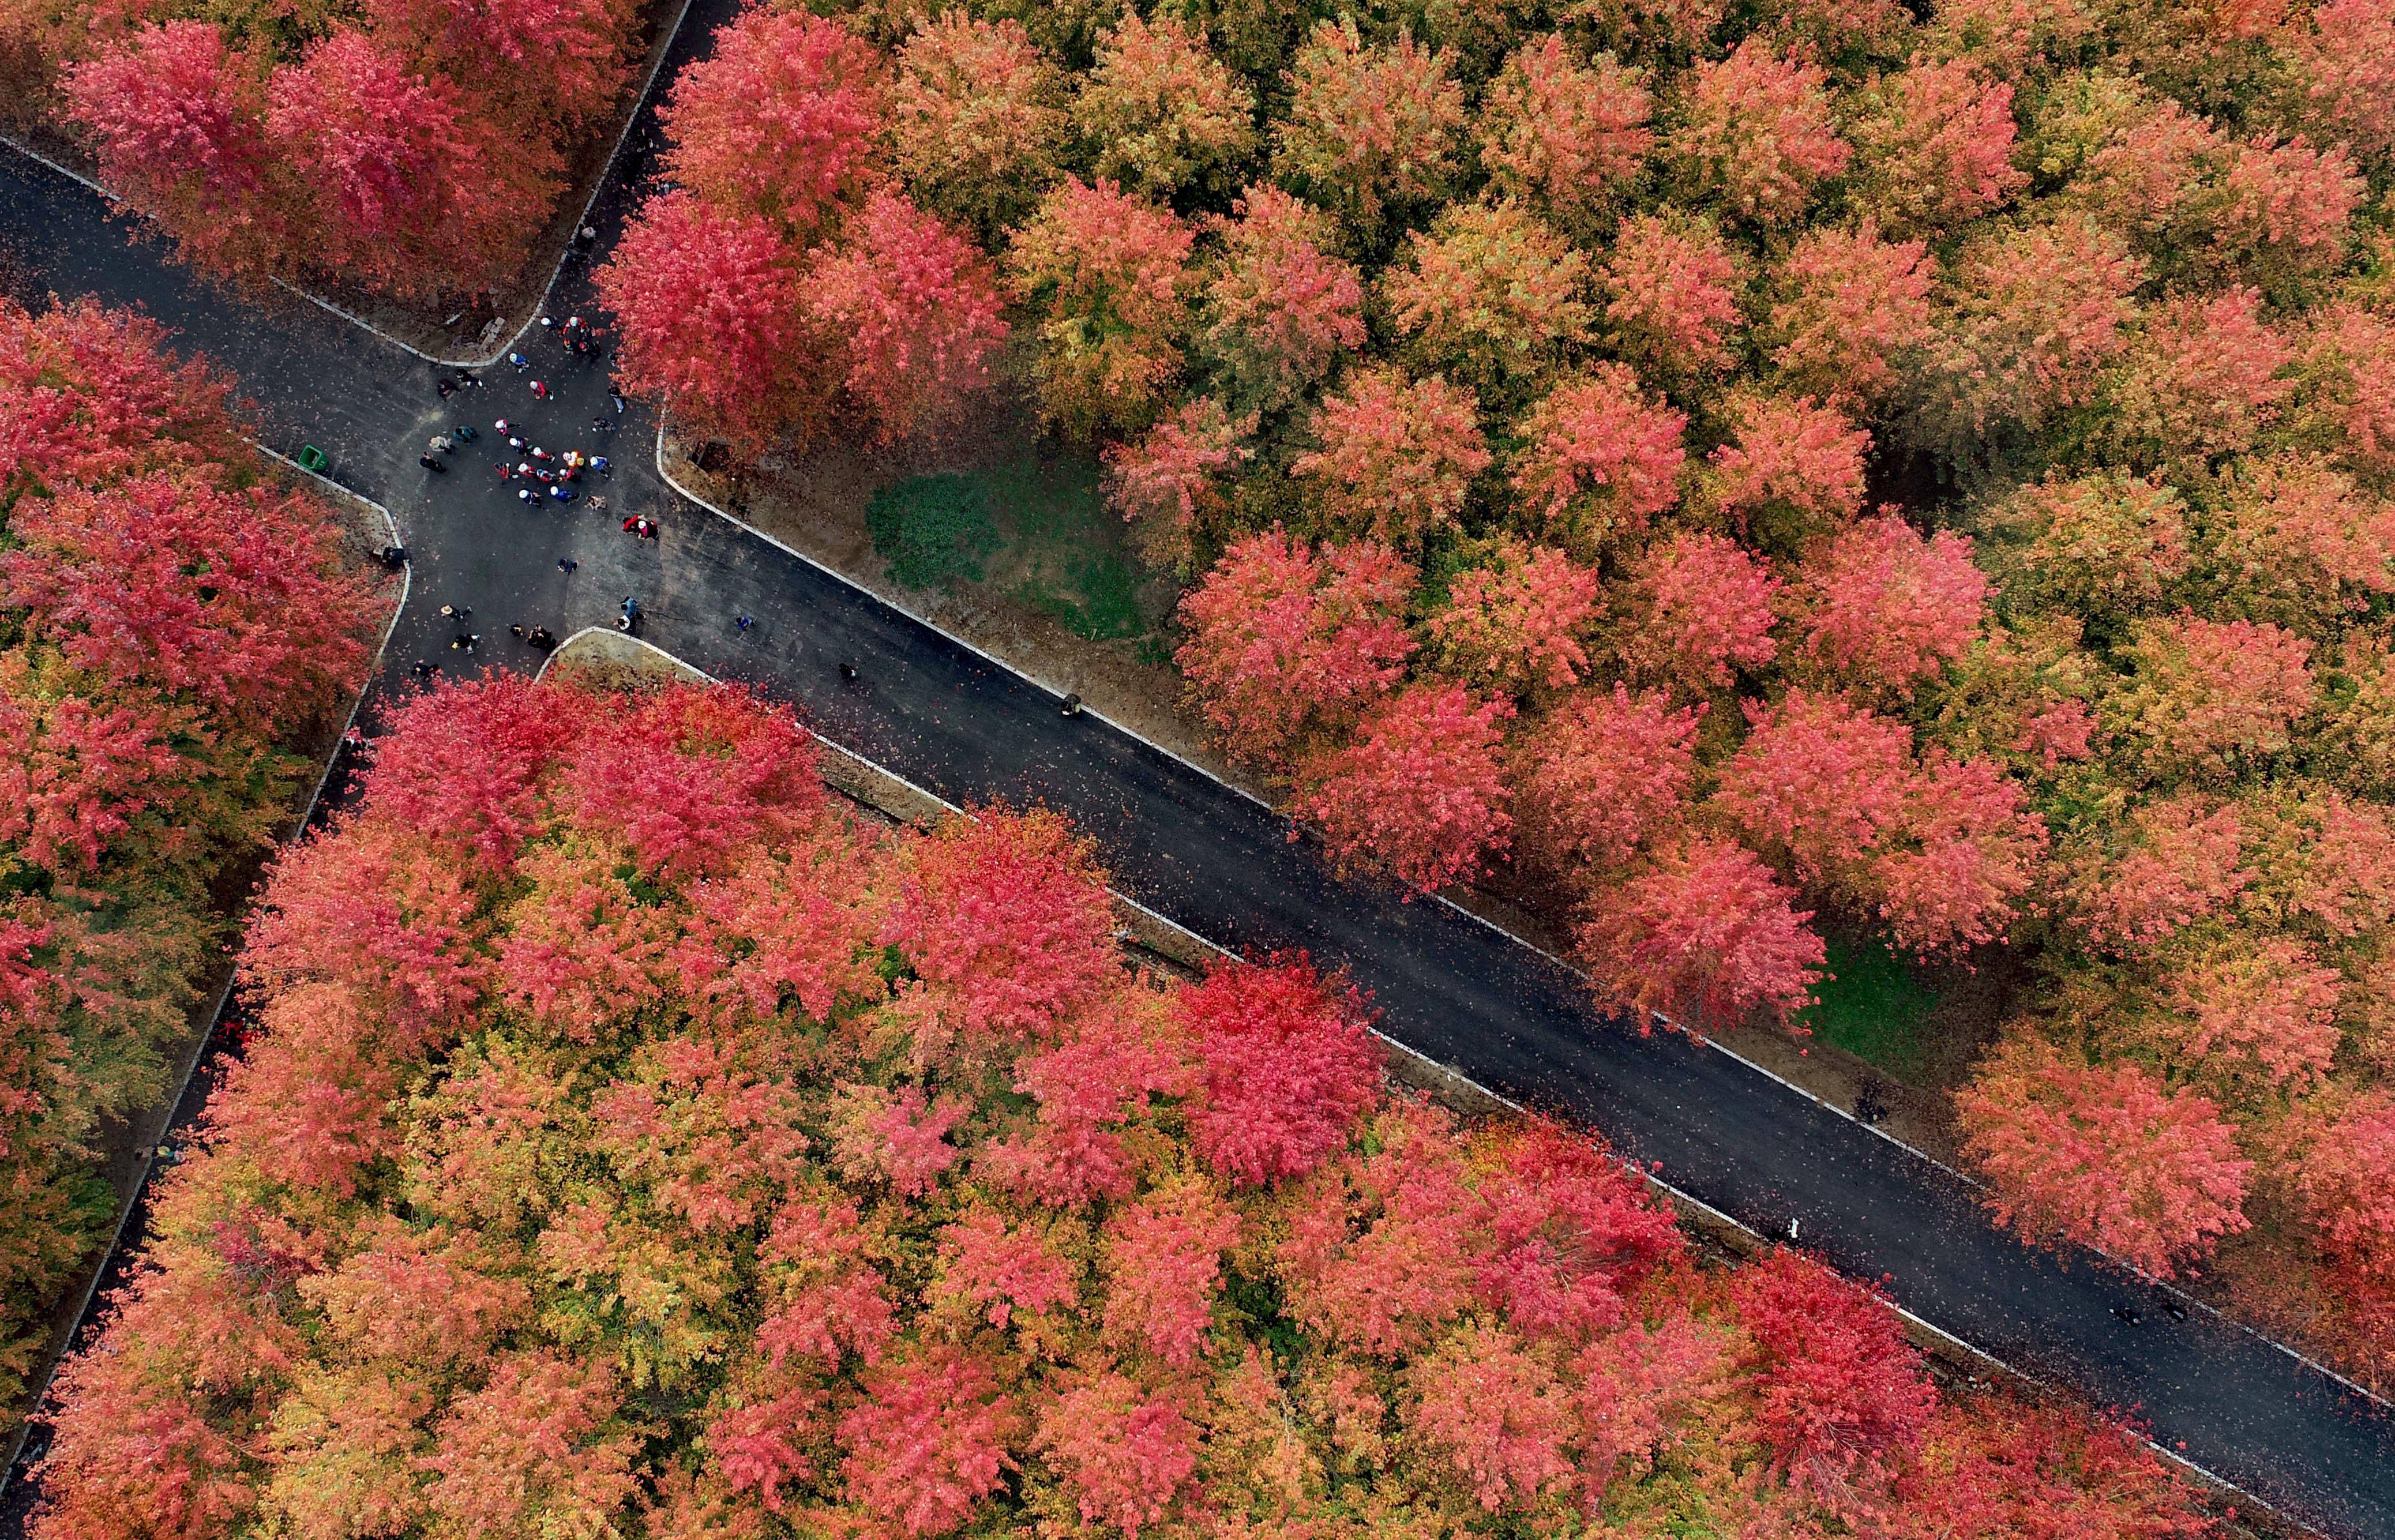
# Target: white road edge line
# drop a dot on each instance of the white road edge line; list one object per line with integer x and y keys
{"x": 1714, "y": 1214}
{"x": 199, "y": 1050}
{"x": 663, "y": 46}
{"x": 71, "y": 175}
{"x": 1709, "y": 1041}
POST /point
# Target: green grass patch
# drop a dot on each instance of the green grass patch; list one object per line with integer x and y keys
{"x": 1095, "y": 597}
{"x": 932, "y": 530}
{"x": 1046, "y": 512}
{"x": 1874, "y": 1006}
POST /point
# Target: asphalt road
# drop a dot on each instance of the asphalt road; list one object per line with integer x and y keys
{"x": 1207, "y": 857}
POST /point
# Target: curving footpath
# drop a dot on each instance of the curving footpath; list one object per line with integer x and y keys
{"x": 2236, "y": 1407}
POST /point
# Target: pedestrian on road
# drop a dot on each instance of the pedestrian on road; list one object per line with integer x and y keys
{"x": 542, "y": 638}
{"x": 452, "y": 611}
{"x": 601, "y": 427}
{"x": 501, "y": 467}
{"x": 428, "y": 463}
{"x": 464, "y": 433}
{"x": 547, "y": 324}
{"x": 598, "y": 463}
{"x": 520, "y": 362}
{"x": 425, "y": 669}
{"x": 445, "y": 390}
{"x": 540, "y": 453}
{"x": 617, "y": 397}
{"x": 524, "y": 467}
{"x": 564, "y": 495}
{"x": 517, "y": 630}
{"x": 744, "y": 623}
{"x": 525, "y": 494}
{"x": 516, "y": 442}
{"x": 567, "y": 564}
{"x": 540, "y": 391}
{"x": 502, "y": 425}
{"x": 441, "y": 443}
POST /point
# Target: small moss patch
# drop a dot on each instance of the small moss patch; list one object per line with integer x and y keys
{"x": 1874, "y": 1007}
{"x": 1042, "y": 516}
{"x": 932, "y": 530}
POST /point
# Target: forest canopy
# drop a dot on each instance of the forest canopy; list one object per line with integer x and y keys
{"x": 686, "y": 1154}
{"x": 1731, "y": 477}
{"x": 178, "y": 630}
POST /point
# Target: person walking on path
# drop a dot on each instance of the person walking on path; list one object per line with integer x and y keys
{"x": 428, "y": 463}
{"x": 566, "y": 564}
{"x": 540, "y": 391}
{"x": 520, "y": 361}
{"x": 744, "y": 623}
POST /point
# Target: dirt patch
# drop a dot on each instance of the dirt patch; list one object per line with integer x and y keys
{"x": 610, "y": 660}
{"x": 1027, "y": 607}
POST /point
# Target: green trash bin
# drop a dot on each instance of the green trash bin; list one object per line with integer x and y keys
{"x": 313, "y": 458}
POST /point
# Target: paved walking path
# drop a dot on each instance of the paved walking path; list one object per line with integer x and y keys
{"x": 1216, "y": 862}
